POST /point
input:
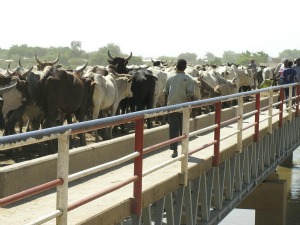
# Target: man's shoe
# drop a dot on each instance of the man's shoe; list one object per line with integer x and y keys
{"x": 175, "y": 154}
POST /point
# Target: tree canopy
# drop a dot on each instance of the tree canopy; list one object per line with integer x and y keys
{"x": 73, "y": 56}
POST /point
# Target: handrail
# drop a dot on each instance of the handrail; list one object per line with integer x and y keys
{"x": 29, "y": 192}
{"x": 63, "y": 132}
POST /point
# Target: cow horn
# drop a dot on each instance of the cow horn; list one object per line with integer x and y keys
{"x": 109, "y": 55}
{"x": 7, "y": 89}
{"x": 56, "y": 60}
{"x": 80, "y": 69}
{"x": 9, "y": 72}
{"x": 152, "y": 60}
{"x": 24, "y": 75}
{"x": 38, "y": 61}
{"x": 20, "y": 65}
{"x": 129, "y": 57}
{"x": 217, "y": 88}
{"x": 200, "y": 77}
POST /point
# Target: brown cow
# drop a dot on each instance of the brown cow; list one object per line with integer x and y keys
{"x": 64, "y": 93}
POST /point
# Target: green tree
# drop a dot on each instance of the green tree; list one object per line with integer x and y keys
{"x": 230, "y": 57}
{"x": 210, "y": 58}
{"x": 189, "y": 57}
{"x": 244, "y": 58}
{"x": 76, "y": 46}
{"x": 289, "y": 54}
{"x": 113, "y": 49}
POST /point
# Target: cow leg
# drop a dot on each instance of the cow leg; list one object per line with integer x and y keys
{"x": 50, "y": 121}
{"x": 124, "y": 108}
{"x": 96, "y": 113}
{"x": 105, "y": 132}
{"x": 80, "y": 117}
{"x": 12, "y": 119}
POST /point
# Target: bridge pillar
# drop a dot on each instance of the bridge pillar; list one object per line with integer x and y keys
{"x": 269, "y": 201}
{"x": 288, "y": 162}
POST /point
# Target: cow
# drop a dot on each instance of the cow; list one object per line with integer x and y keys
{"x": 160, "y": 63}
{"x": 63, "y": 93}
{"x": 108, "y": 92}
{"x": 120, "y": 67}
{"x": 21, "y": 98}
{"x": 119, "y": 63}
{"x": 143, "y": 89}
{"x": 225, "y": 87}
{"x": 42, "y": 65}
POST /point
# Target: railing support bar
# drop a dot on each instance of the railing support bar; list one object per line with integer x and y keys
{"x": 136, "y": 206}
{"x": 270, "y": 112}
{"x": 281, "y": 107}
{"x": 185, "y": 145}
{"x": 62, "y": 173}
{"x": 216, "y": 158}
{"x": 257, "y": 108}
{"x": 240, "y": 124}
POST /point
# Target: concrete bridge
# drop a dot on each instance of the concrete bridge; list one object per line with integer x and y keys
{"x": 228, "y": 160}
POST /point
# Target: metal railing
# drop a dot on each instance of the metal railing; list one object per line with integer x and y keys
{"x": 62, "y": 133}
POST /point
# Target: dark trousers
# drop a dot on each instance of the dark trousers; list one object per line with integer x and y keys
{"x": 175, "y": 128}
{"x": 287, "y": 94}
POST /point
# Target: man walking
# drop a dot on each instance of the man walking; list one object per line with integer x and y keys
{"x": 179, "y": 89}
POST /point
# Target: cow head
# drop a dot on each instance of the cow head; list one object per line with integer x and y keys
{"x": 119, "y": 62}
{"x": 42, "y": 65}
{"x": 207, "y": 91}
{"x": 159, "y": 63}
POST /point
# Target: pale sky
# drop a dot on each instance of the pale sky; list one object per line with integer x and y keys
{"x": 153, "y": 28}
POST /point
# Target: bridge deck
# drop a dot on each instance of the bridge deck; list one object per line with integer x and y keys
{"x": 115, "y": 205}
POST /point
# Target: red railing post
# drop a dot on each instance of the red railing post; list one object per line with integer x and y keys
{"x": 216, "y": 158}
{"x": 281, "y": 106}
{"x": 297, "y": 99}
{"x": 136, "y": 205}
{"x": 257, "y": 108}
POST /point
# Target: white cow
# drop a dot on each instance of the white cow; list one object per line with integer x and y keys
{"x": 268, "y": 73}
{"x": 109, "y": 91}
{"x": 160, "y": 84}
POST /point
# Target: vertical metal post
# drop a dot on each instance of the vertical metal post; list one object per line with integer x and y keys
{"x": 297, "y": 99}
{"x": 290, "y": 102}
{"x": 136, "y": 205}
{"x": 185, "y": 144}
{"x": 216, "y": 158}
{"x": 281, "y": 93}
{"x": 270, "y": 111}
{"x": 257, "y": 108}
{"x": 240, "y": 124}
{"x": 62, "y": 173}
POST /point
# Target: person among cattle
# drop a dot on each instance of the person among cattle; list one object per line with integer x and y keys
{"x": 252, "y": 66}
{"x": 179, "y": 89}
{"x": 297, "y": 68}
{"x": 289, "y": 76}
{"x": 279, "y": 71}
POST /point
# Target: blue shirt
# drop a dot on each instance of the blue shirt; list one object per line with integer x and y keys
{"x": 289, "y": 75}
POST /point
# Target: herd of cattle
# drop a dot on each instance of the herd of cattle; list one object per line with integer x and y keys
{"x": 46, "y": 95}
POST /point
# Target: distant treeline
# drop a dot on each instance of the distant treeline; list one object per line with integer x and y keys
{"x": 73, "y": 56}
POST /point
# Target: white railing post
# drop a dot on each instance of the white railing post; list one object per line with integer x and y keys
{"x": 270, "y": 111}
{"x": 240, "y": 112}
{"x": 62, "y": 173}
{"x": 185, "y": 144}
